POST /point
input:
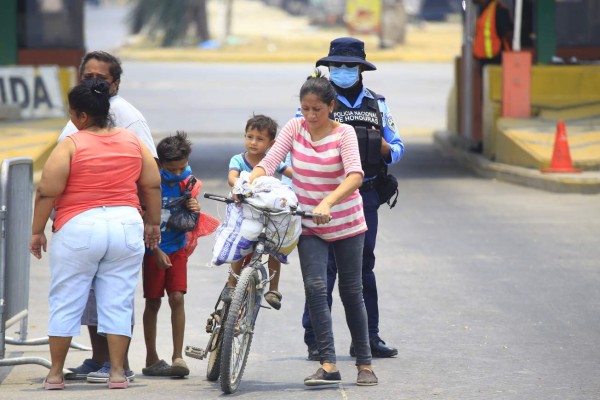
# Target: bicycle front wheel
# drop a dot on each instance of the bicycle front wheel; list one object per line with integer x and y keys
{"x": 239, "y": 328}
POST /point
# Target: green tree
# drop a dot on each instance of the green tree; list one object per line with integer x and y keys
{"x": 171, "y": 20}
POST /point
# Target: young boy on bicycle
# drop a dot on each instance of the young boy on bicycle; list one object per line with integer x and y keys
{"x": 259, "y": 137}
{"x": 165, "y": 269}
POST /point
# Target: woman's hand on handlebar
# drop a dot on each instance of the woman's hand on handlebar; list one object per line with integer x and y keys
{"x": 324, "y": 209}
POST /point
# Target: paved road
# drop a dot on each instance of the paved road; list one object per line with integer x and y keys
{"x": 217, "y": 99}
{"x": 489, "y": 290}
{"x": 213, "y": 101}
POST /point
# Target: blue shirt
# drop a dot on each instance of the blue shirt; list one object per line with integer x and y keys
{"x": 170, "y": 241}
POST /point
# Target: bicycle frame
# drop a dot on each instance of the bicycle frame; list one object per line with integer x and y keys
{"x": 236, "y": 329}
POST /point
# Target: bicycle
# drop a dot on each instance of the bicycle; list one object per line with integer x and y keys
{"x": 230, "y": 340}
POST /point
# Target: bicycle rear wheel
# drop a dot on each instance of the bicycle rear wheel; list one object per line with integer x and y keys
{"x": 213, "y": 369}
{"x": 239, "y": 328}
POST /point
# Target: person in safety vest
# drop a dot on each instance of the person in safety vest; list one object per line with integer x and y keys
{"x": 380, "y": 145}
{"x": 493, "y": 31}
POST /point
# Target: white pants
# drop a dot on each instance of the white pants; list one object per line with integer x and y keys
{"x": 101, "y": 248}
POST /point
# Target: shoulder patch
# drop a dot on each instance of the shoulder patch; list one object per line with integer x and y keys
{"x": 371, "y": 93}
{"x": 389, "y": 121}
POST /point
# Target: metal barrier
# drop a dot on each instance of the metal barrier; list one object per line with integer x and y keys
{"x": 16, "y": 191}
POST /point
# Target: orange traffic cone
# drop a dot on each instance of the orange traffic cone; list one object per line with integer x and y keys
{"x": 561, "y": 156}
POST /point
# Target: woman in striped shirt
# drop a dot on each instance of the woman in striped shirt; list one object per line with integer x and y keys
{"x": 326, "y": 176}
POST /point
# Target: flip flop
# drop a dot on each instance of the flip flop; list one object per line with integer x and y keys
{"x": 53, "y": 386}
{"x": 179, "y": 368}
{"x": 273, "y": 297}
{"x": 159, "y": 368}
{"x": 118, "y": 385}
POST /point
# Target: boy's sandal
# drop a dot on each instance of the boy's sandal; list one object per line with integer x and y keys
{"x": 273, "y": 297}
{"x": 159, "y": 368}
{"x": 179, "y": 368}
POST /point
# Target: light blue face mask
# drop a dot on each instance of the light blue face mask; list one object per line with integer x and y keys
{"x": 172, "y": 178}
{"x": 344, "y": 76}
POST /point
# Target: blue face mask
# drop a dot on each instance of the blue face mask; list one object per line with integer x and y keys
{"x": 172, "y": 178}
{"x": 344, "y": 76}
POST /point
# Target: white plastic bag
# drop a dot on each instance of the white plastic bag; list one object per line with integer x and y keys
{"x": 239, "y": 232}
{"x": 235, "y": 238}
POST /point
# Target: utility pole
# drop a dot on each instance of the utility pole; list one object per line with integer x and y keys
{"x": 227, "y": 17}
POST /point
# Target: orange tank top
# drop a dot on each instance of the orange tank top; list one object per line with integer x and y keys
{"x": 104, "y": 172}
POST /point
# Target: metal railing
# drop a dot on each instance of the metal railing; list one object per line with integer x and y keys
{"x": 16, "y": 191}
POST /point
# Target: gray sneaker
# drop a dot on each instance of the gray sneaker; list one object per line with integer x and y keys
{"x": 101, "y": 376}
{"x": 81, "y": 372}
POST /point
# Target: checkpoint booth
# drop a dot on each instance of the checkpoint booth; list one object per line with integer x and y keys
{"x": 509, "y": 112}
{"x": 37, "y": 32}
{"x": 41, "y": 47}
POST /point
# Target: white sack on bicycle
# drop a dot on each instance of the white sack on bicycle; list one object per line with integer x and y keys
{"x": 239, "y": 232}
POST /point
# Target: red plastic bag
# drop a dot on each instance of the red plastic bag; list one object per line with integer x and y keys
{"x": 206, "y": 225}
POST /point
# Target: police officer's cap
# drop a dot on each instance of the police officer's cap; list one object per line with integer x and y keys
{"x": 347, "y": 50}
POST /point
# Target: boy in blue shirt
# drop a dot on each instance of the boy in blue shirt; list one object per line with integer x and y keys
{"x": 259, "y": 137}
{"x": 165, "y": 269}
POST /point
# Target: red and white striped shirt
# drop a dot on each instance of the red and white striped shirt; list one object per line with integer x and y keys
{"x": 318, "y": 169}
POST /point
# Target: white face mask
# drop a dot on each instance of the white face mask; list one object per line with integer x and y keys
{"x": 344, "y": 76}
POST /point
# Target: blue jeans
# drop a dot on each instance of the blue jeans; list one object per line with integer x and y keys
{"x": 370, "y": 208}
{"x": 314, "y": 253}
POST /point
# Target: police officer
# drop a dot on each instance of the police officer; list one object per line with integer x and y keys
{"x": 380, "y": 145}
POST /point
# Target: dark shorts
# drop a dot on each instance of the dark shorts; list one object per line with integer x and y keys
{"x": 157, "y": 281}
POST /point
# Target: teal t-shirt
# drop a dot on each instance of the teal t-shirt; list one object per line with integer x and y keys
{"x": 239, "y": 163}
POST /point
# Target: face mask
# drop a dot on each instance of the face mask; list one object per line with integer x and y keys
{"x": 172, "y": 178}
{"x": 343, "y": 76}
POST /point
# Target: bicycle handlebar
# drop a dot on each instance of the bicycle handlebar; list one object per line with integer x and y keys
{"x": 229, "y": 200}
{"x": 217, "y": 197}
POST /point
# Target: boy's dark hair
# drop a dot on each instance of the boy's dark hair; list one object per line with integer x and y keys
{"x": 262, "y": 123}
{"x": 174, "y": 148}
{"x": 91, "y": 96}
{"x": 114, "y": 63}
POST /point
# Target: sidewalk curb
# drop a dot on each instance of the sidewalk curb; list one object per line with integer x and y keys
{"x": 584, "y": 183}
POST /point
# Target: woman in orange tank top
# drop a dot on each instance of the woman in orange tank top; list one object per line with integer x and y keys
{"x": 91, "y": 180}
